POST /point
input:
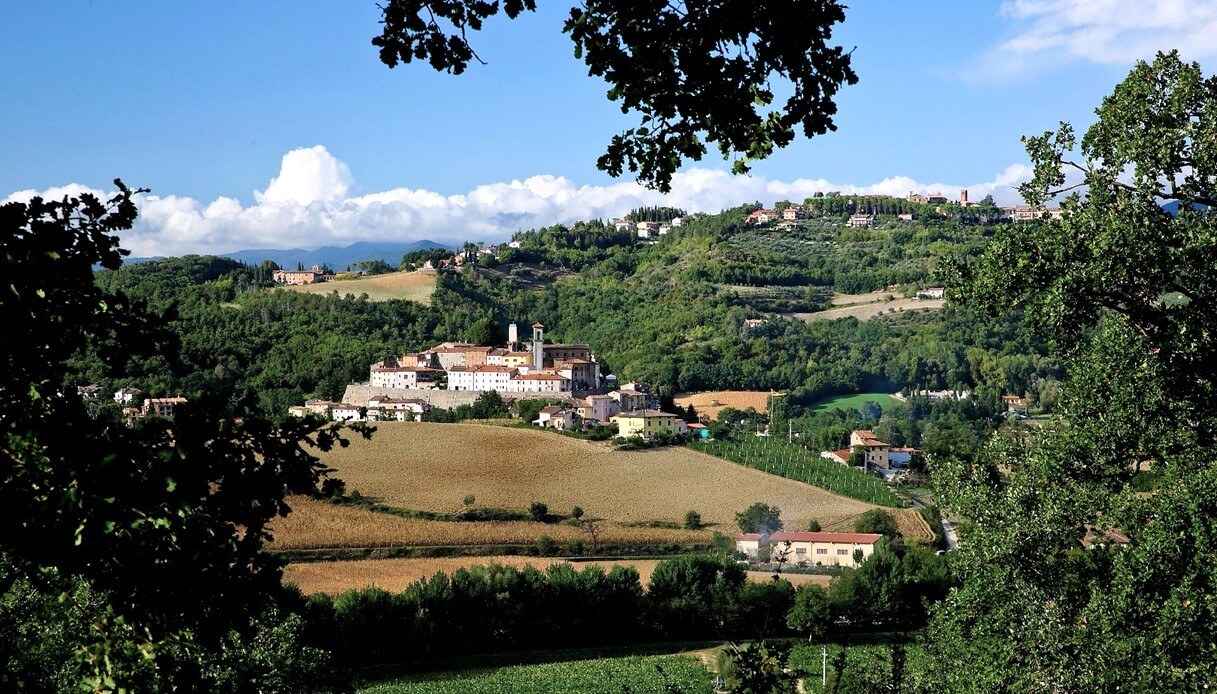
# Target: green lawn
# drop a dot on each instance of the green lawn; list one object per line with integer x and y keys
{"x": 604, "y": 675}
{"x": 855, "y": 401}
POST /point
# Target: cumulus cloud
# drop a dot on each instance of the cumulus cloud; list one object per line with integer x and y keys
{"x": 1111, "y": 32}
{"x": 309, "y": 204}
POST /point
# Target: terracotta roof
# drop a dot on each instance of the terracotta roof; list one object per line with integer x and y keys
{"x": 647, "y": 413}
{"x": 540, "y": 377}
{"x": 840, "y": 538}
{"x": 868, "y": 438}
{"x": 401, "y": 369}
{"x": 484, "y": 368}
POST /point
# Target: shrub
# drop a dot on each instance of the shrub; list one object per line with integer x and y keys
{"x": 722, "y": 543}
{"x": 538, "y": 511}
{"x": 877, "y": 521}
{"x": 469, "y": 500}
{"x": 333, "y": 488}
{"x": 546, "y": 546}
{"x": 759, "y": 518}
{"x": 693, "y": 520}
{"x": 813, "y": 526}
{"x": 576, "y": 512}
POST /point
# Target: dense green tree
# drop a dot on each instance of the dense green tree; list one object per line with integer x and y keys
{"x": 163, "y": 521}
{"x": 1125, "y": 290}
{"x": 759, "y": 518}
{"x": 877, "y": 521}
{"x": 811, "y": 614}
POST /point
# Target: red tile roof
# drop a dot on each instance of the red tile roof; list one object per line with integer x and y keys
{"x": 840, "y": 538}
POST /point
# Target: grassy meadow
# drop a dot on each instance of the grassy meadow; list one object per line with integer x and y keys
{"x": 315, "y": 524}
{"x": 432, "y": 467}
{"x": 855, "y": 401}
{"x": 411, "y": 286}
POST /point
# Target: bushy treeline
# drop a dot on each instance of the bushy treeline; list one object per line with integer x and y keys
{"x": 656, "y": 213}
{"x": 496, "y": 608}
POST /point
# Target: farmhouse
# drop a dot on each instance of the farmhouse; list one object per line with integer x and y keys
{"x": 553, "y": 416}
{"x": 632, "y": 396}
{"x": 648, "y": 424}
{"x": 874, "y": 451}
{"x": 762, "y": 216}
{"x": 295, "y": 277}
{"x": 599, "y": 408}
{"x": 343, "y": 412}
{"x": 812, "y": 549}
{"x": 860, "y": 220}
{"x": 388, "y": 409}
{"x": 162, "y": 407}
{"x": 841, "y": 455}
{"x": 126, "y": 396}
{"x": 931, "y": 293}
{"x": 794, "y": 212}
{"x": 647, "y": 229}
{"x": 1015, "y": 403}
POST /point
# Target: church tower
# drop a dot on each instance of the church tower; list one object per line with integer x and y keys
{"x": 538, "y": 346}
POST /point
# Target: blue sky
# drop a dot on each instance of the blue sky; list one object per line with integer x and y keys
{"x": 204, "y": 102}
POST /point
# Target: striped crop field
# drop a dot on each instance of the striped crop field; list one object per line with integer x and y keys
{"x": 797, "y": 463}
{"x": 599, "y": 676}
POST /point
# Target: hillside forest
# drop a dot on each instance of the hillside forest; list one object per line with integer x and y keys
{"x": 670, "y": 313}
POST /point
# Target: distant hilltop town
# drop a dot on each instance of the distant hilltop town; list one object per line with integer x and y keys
{"x": 450, "y": 374}
{"x": 517, "y": 367}
{"x": 865, "y": 216}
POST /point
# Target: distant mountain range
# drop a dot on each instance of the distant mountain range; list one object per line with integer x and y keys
{"x": 337, "y": 257}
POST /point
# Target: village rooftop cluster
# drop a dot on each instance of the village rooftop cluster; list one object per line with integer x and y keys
{"x": 406, "y": 387}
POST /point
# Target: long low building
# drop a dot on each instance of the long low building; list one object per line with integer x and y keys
{"x": 811, "y": 548}
{"x": 648, "y": 424}
{"x": 360, "y": 393}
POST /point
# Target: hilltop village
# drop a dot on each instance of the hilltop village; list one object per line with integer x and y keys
{"x": 407, "y": 387}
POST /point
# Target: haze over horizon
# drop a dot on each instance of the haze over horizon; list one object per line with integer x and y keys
{"x": 248, "y": 139}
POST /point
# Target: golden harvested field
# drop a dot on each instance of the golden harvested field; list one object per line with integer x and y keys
{"x": 395, "y": 575}
{"x": 317, "y": 524}
{"x": 710, "y": 403}
{"x": 869, "y": 305}
{"x": 433, "y": 467}
{"x": 412, "y": 286}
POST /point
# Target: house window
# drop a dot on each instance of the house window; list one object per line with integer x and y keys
{"x": 822, "y": 550}
{"x": 842, "y": 551}
{"x": 800, "y": 551}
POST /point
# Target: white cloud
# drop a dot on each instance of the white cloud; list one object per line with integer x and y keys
{"x": 308, "y": 204}
{"x": 1109, "y": 32}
